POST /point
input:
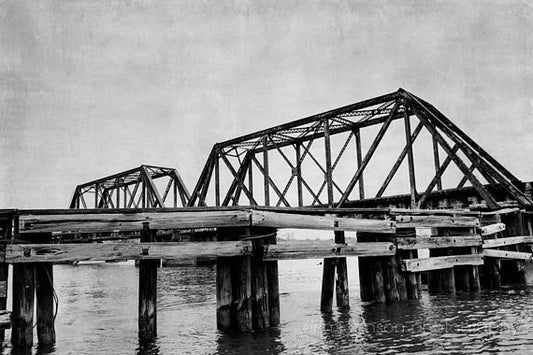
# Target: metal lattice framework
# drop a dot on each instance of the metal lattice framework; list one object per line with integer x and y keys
{"x": 143, "y": 187}
{"x": 319, "y": 160}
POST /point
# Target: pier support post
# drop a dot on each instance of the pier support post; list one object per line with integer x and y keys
{"x": 242, "y": 293}
{"x": 328, "y": 285}
{"x": 335, "y": 285}
{"x": 224, "y": 294}
{"x": 147, "y": 291}
{"x": 273, "y": 292}
{"x": 46, "y": 334}
{"x": 341, "y": 284}
{"x": 260, "y": 308}
{"x": 380, "y": 278}
{"x": 413, "y": 280}
{"x": 23, "y": 305}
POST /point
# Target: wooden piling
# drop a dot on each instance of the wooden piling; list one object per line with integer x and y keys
{"x": 378, "y": 283}
{"x": 147, "y": 291}
{"x": 273, "y": 292}
{"x": 394, "y": 281}
{"x": 341, "y": 282}
{"x": 413, "y": 282}
{"x": 365, "y": 279}
{"x": 260, "y": 306}
{"x": 241, "y": 278}
{"x": 23, "y": 305}
{"x": 46, "y": 334}
{"x": 328, "y": 284}
{"x": 224, "y": 295}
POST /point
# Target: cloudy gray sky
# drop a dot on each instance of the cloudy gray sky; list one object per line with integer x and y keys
{"x": 89, "y": 88}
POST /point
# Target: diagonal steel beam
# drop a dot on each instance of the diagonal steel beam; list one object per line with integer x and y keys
{"x": 399, "y": 161}
{"x": 269, "y": 181}
{"x": 368, "y": 155}
{"x": 153, "y": 188}
{"x": 238, "y": 179}
{"x": 421, "y": 114}
{"x": 489, "y": 172}
{"x": 437, "y": 177}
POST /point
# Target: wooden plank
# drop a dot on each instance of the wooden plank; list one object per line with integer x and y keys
{"x": 500, "y": 242}
{"x": 505, "y": 254}
{"x": 287, "y": 220}
{"x": 307, "y": 249}
{"x": 440, "y": 262}
{"x": 492, "y": 229}
{"x": 131, "y": 221}
{"x": 121, "y": 251}
{"x": 414, "y": 221}
{"x": 55, "y": 253}
{"x": 5, "y": 319}
{"x": 411, "y": 243}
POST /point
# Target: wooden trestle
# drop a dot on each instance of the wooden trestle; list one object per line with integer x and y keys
{"x": 468, "y": 251}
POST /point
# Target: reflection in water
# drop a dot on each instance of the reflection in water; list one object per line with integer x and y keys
{"x": 147, "y": 348}
{"x": 98, "y": 315}
{"x": 266, "y": 341}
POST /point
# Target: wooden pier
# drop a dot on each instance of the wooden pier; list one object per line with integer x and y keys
{"x": 478, "y": 233}
{"x": 469, "y": 251}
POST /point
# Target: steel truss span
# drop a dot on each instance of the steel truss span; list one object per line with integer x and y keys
{"x": 330, "y": 159}
{"x": 143, "y": 187}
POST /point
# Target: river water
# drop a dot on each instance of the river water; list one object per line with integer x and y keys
{"x": 98, "y": 306}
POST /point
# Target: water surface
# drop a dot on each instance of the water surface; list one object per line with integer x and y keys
{"x": 98, "y": 315}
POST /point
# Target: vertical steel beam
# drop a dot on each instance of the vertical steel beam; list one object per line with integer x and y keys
{"x": 250, "y": 180}
{"x": 217, "y": 179}
{"x": 328, "y": 175}
{"x": 410, "y": 159}
{"x": 299, "y": 174}
{"x": 359, "y": 153}
{"x": 436, "y": 160}
{"x": 266, "y": 171}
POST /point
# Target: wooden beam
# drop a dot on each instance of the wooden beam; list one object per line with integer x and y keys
{"x": 54, "y": 253}
{"x": 5, "y": 319}
{"x": 109, "y": 222}
{"x": 440, "y": 262}
{"x": 287, "y": 220}
{"x": 505, "y": 254}
{"x": 58, "y": 253}
{"x": 492, "y": 229}
{"x": 501, "y": 242}
{"x": 414, "y": 221}
{"x": 411, "y": 243}
{"x": 310, "y": 249}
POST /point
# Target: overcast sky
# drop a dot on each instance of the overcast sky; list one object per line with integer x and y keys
{"x": 90, "y": 88}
